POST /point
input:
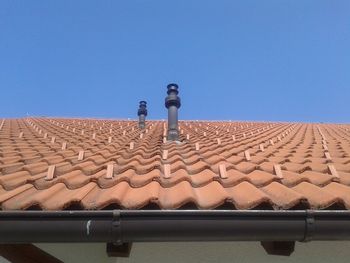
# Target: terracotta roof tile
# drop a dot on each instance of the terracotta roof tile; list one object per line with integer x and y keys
{"x": 55, "y": 164}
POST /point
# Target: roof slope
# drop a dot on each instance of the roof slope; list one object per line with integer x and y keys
{"x": 55, "y": 164}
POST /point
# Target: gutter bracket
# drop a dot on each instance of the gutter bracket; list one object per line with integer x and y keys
{"x": 116, "y": 229}
{"x": 309, "y": 226}
{"x": 278, "y": 248}
{"x": 117, "y": 248}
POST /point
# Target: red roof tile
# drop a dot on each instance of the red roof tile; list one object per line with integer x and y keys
{"x": 55, "y": 164}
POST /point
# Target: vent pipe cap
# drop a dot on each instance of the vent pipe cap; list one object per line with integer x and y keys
{"x": 142, "y": 108}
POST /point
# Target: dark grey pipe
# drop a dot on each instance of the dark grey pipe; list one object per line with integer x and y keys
{"x": 173, "y": 103}
{"x": 143, "y": 225}
{"x": 142, "y": 113}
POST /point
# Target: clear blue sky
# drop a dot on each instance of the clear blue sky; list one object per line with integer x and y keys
{"x": 239, "y": 60}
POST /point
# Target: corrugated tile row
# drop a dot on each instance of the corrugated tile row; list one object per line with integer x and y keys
{"x": 54, "y": 164}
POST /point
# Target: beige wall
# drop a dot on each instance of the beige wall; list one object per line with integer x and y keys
{"x": 201, "y": 252}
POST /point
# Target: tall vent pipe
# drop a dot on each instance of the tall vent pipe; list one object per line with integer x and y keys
{"x": 172, "y": 103}
{"x": 142, "y": 113}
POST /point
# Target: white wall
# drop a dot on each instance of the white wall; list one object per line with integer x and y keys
{"x": 241, "y": 252}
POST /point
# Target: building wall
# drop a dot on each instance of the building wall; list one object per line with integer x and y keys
{"x": 232, "y": 252}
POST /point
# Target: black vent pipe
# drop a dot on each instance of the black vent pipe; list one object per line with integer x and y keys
{"x": 142, "y": 113}
{"x": 173, "y": 103}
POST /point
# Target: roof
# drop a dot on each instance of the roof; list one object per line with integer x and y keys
{"x": 57, "y": 164}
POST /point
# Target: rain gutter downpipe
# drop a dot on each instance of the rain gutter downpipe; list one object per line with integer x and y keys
{"x": 119, "y": 226}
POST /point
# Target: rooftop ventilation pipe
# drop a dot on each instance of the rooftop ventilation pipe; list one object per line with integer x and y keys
{"x": 172, "y": 103}
{"x": 142, "y": 113}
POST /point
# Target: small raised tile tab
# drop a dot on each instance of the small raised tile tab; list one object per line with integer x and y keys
{"x": 197, "y": 146}
{"x": 94, "y": 135}
{"x": 20, "y": 135}
{"x": 124, "y": 132}
{"x": 187, "y": 136}
{"x": 271, "y": 142}
{"x": 53, "y": 139}
{"x": 247, "y": 155}
{"x": 233, "y": 138}
{"x": 45, "y": 135}
{"x": 218, "y": 140}
{"x": 132, "y": 144}
{"x": 109, "y": 139}
{"x": 328, "y": 156}
{"x": 165, "y": 154}
{"x": 109, "y": 172}
{"x": 261, "y": 147}
{"x": 81, "y": 155}
{"x": 64, "y": 145}
{"x": 141, "y": 135}
{"x": 167, "y": 171}
{"x": 278, "y": 171}
{"x": 50, "y": 173}
{"x": 325, "y": 147}
{"x": 333, "y": 171}
{"x": 82, "y": 132}
{"x": 222, "y": 171}
{"x": 204, "y": 134}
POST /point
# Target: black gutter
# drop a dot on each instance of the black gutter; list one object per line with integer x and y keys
{"x": 122, "y": 226}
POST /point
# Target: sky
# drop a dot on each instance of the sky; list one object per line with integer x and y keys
{"x": 272, "y": 60}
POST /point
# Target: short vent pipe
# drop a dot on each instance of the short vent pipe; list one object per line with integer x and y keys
{"x": 173, "y": 103}
{"x": 142, "y": 113}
